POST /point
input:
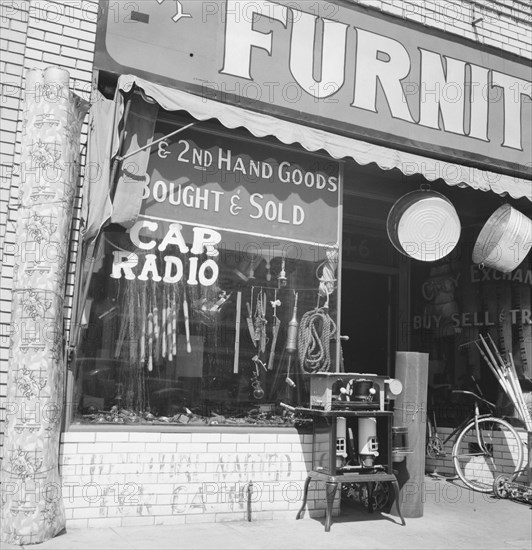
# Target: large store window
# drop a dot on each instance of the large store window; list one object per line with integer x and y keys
{"x": 374, "y": 303}
{"x": 218, "y": 301}
{"x": 455, "y": 301}
{"x": 368, "y": 318}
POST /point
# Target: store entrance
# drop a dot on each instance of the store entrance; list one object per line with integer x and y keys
{"x": 368, "y": 318}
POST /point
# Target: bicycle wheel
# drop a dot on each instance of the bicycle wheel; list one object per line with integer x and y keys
{"x": 480, "y": 455}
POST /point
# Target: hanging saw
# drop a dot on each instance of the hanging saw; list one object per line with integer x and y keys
{"x": 276, "y": 325}
{"x": 260, "y": 322}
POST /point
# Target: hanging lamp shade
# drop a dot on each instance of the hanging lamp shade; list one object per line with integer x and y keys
{"x": 423, "y": 225}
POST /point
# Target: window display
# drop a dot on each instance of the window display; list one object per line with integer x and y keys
{"x": 214, "y": 305}
{"x": 455, "y": 305}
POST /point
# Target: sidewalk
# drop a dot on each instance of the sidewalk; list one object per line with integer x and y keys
{"x": 453, "y": 517}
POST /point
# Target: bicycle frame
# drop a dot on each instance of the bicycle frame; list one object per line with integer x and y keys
{"x": 485, "y": 463}
{"x": 476, "y": 416}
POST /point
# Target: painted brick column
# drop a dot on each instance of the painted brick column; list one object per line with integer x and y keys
{"x": 31, "y": 506}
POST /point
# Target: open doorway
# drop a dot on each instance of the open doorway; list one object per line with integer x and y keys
{"x": 368, "y": 318}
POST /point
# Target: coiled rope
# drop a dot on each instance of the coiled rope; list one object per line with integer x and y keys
{"x": 317, "y": 328}
{"x": 315, "y": 332}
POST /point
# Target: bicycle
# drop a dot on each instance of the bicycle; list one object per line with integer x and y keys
{"x": 484, "y": 448}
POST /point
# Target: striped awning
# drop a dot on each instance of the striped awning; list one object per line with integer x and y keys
{"x": 312, "y": 139}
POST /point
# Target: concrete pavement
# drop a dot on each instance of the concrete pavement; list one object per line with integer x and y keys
{"x": 453, "y": 517}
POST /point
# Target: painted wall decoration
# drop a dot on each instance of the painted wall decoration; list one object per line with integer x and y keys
{"x": 31, "y": 505}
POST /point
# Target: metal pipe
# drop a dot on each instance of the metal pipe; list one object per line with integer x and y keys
{"x": 250, "y": 494}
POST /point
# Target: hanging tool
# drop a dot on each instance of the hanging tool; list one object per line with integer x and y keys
{"x": 169, "y": 325}
{"x": 187, "y": 321}
{"x": 291, "y": 341}
{"x": 275, "y": 330}
{"x": 175, "y": 317}
{"x": 316, "y": 330}
{"x": 237, "y": 331}
{"x": 328, "y": 273}
{"x": 143, "y": 321}
{"x": 132, "y": 336}
{"x": 260, "y": 322}
{"x": 121, "y": 337}
{"x": 156, "y": 330}
{"x": 150, "y": 341}
{"x": 282, "y": 281}
{"x": 222, "y": 298}
{"x": 258, "y": 392}
{"x": 249, "y": 321}
{"x": 164, "y": 320}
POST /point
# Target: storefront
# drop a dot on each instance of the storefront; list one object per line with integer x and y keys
{"x": 244, "y": 158}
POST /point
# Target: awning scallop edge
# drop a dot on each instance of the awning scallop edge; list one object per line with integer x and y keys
{"x": 312, "y": 139}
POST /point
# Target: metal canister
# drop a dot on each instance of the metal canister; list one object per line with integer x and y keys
{"x": 399, "y": 443}
{"x": 367, "y": 440}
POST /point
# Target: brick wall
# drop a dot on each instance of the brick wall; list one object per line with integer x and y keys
{"x": 146, "y": 478}
{"x": 505, "y": 24}
{"x": 444, "y": 465}
{"x": 35, "y": 34}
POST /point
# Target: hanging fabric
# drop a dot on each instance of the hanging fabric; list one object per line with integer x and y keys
{"x": 102, "y": 202}
{"x": 103, "y": 141}
{"x": 140, "y": 126}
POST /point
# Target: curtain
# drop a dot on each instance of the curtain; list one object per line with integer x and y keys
{"x": 102, "y": 201}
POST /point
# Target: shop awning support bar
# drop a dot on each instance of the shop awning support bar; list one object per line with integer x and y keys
{"x": 120, "y": 159}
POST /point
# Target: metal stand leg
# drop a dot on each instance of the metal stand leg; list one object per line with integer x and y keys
{"x": 330, "y": 492}
{"x": 370, "y": 486}
{"x": 398, "y": 500}
{"x": 305, "y": 494}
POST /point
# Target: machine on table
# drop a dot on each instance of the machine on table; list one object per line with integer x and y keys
{"x": 353, "y": 436}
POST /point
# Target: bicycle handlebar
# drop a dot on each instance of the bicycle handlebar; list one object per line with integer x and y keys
{"x": 475, "y": 396}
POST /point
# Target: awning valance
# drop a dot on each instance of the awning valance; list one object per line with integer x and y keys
{"x": 312, "y": 139}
